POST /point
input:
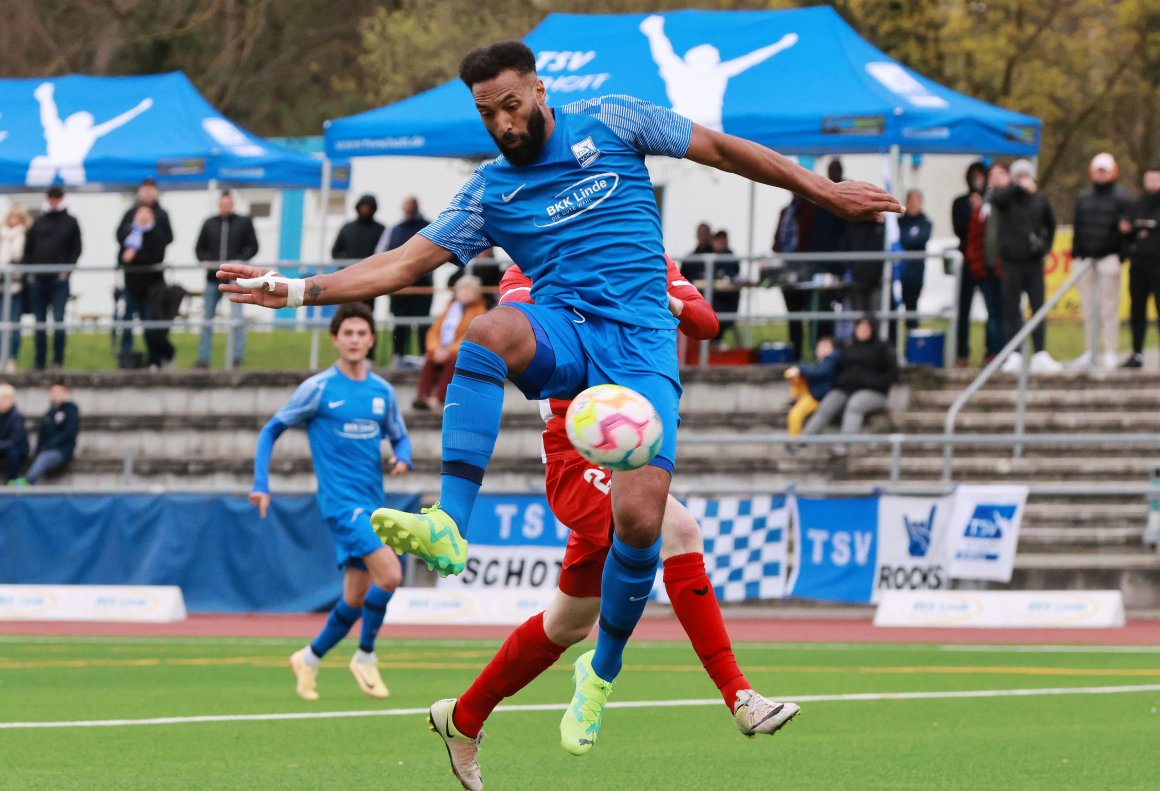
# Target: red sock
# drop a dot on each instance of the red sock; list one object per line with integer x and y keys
{"x": 696, "y": 607}
{"x": 524, "y": 655}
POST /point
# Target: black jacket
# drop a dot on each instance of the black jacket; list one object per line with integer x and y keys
{"x": 961, "y": 219}
{"x": 239, "y": 242}
{"x": 160, "y": 220}
{"x": 401, "y": 234}
{"x": 1098, "y": 212}
{"x": 1026, "y": 225}
{"x": 13, "y": 433}
{"x": 1145, "y": 236}
{"x": 865, "y": 237}
{"x": 59, "y": 428}
{"x": 871, "y": 365}
{"x": 357, "y": 239}
{"x": 54, "y": 238}
{"x": 913, "y": 233}
{"x": 152, "y": 252}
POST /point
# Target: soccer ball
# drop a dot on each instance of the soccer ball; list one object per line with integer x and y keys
{"x": 614, "y": 427}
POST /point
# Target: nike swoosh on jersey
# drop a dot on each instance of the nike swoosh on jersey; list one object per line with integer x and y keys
{"x": 335, "y": 404}
{"x": 512, "y": 194}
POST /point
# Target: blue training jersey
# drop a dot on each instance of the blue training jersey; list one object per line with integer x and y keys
{"x": 346, "y": 421}
{"x": 581, "y": 220}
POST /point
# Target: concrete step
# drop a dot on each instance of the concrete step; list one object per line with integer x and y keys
{"x": 1002, "y": 470}
{"x": 1052, "y": 421}
{"x": 1097, "y": 396}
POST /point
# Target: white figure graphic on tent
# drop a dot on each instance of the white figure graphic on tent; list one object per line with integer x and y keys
{"x": 69, "y": 141}
{"x": 696, "y": 83}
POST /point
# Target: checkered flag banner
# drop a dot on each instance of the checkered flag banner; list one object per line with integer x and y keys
{"x": 745, "y": 546}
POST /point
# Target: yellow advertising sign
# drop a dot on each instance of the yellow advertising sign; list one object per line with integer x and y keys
{"x": 1057, "y": 268}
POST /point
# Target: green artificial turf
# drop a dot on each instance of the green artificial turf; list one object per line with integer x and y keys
{"x": 1053, "y": 741}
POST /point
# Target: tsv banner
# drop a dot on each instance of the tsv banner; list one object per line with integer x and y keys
{"x": 835, "y": 548}
{"x": 984, "y": 531}
{"x": 912, "y": 543}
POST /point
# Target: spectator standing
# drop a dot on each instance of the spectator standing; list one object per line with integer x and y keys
{"x": 1142, "y": 231}
{"x": 1096, "y": 241}
{"x": 147, "y": 195}
{"x": 1025, "y": 235}
{"x": 226, "y": 236}
{"x": 13, "y": 434}
{"x": 57, "y": 439}
{"x": 972, "y": 220}
{"x": 864, "y": 277}
{"x": 914, "y": 233}
{"x": 443, "y": 339}
{"x": 809, "y": 383}
{"x": 704, "y": 239}
{"x": 143, "y": 248}
{"x": 360, "y": 237}
{"x": 867, "y": 369}
{"x": 12, "y": 235}
{"x": 726, "y": 270}
{"x": 410, "y": 305}
{"x": 829, "y": 229}
{"x": 794, "y": 226}
{"x": 54, "y": 238}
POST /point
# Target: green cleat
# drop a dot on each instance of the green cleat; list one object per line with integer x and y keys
{"x": 581, "y": 723}
{"x": 430, "y": 536}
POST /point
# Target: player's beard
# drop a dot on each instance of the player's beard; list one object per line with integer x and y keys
{"x": 530, "y": 142}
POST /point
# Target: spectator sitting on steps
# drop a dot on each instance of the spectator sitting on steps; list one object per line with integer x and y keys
{"x": 867, "y": 369}
{"x": 810, "y": 382}
{"x": 57, "y": 439}
{"x": 13, "y": 435}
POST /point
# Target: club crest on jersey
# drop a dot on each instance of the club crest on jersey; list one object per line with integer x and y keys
{"x": 585, "y": 152}
{"x": 379, "y": 406}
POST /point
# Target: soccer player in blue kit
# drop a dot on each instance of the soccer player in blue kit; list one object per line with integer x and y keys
{"x": 347, "y": 411}
{"x": 569, "y": 198}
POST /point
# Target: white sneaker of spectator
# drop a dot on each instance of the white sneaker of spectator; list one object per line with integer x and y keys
{"x": 1110, "y": 360}
{"x": 1081, "y": 362}
{"x": 1044, "y": 363}
{"x": 1012, "y": 364}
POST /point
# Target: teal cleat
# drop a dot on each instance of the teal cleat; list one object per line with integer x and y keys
{"x": 581, "y": 723}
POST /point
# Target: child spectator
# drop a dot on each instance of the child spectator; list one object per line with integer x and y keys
{"x": 443, "y": 339}
{"x": 809, "y": 383}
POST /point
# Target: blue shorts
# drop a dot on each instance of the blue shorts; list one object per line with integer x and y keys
{"x": 575, "y": 351}
{"x": 353, "y": 536}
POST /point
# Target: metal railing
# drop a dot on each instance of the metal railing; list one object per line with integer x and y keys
{"x": 778, "y": 265}
{"x": 1018, "y": 341}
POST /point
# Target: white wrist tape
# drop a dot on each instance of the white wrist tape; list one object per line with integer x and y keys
{"x": 295, "y": 287}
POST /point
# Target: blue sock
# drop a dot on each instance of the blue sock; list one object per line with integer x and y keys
{"x": 342, "y": 617}
{"x": 470, "y": 425}
{"x": 629, "y": 573}
{"x": 373, "y": 611}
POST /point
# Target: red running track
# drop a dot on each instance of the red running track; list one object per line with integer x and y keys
{"x": 794, "y": 629}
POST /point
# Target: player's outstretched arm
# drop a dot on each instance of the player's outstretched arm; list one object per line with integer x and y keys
{"x": 851, "y": 200}
{"x": 382, "y": 273}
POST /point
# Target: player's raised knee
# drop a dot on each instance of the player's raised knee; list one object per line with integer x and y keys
{"x": 511, "y": 340}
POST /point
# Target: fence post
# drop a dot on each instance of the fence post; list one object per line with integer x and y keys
{"x": 1152, "y": 528}
{"x": 6, "y": 307}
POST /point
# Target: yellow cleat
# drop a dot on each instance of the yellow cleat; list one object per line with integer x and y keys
{"x": 370, "y": 681}
{"x": 581, "y": 723}
{"x": 432, "y": 536}
{"x": 306, "y": 674}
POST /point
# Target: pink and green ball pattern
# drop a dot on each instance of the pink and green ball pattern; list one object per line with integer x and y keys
{"x": 614, "y": 427}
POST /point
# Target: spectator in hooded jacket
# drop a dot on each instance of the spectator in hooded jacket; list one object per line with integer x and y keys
{"x": 57, "y": 439}
{"x": 972, "y": 220}
{"x": 360, "y": 237}
{"x": 143, "y": 247}
{"x": 913, "y": 233}
{"x": 13, "y": 434}
{"x": 227, "y": 236}
{"x": 1096, "y": 241}
{"x": 54, "y": 238}
{"x": 867, "y": 369}
{"x": 1142, "y": 229}
{"x": 810, "y": 382}
{"x": 1025, "y": 234}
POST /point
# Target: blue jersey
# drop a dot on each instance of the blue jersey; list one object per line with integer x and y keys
{"x": 346, "y": 421}
{"x": 581, "y": 220}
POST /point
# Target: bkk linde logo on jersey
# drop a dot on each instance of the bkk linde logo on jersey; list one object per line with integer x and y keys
{"x": 358, "y": 429}
{"x": 578, "y": 198}
{"x": 916, "y": 575}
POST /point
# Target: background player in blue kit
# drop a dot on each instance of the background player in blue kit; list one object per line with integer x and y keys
{"x": 569, "y": 199}
{"x": 347, "y": 411}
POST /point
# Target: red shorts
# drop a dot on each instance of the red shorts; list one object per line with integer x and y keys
{"x": 578, "y": 494}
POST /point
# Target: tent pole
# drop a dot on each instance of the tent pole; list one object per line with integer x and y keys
{"x": 888, "y": 265}
{"x": 323, "y": 211}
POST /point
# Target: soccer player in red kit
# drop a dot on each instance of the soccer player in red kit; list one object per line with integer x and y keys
{"x": 578, "y": 494}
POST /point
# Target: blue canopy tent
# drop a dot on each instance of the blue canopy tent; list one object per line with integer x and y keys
{"x": 96, "y": 132}
{"x": 801, "y": 81}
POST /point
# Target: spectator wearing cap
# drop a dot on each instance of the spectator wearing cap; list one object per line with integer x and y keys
{"x": 410, "y": 305}
{"x": 1096, "y": 242}
{"x": 1025, "y": 234}
{"x": 360, "y": 237}
{"x": 53, "y": 239}
{"x": 226, "y": 236}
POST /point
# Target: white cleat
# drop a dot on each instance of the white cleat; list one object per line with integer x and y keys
{"x": 370, "y": 681}
{"x": 463, "y": 751}
{"x": 754, "y": 714}
{"x": 306, "y": 674}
